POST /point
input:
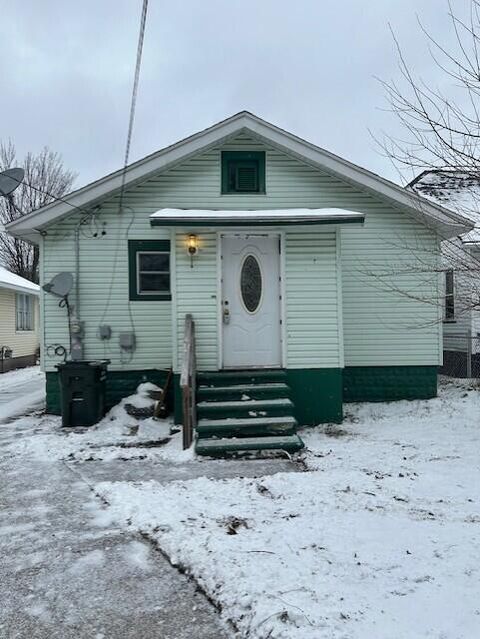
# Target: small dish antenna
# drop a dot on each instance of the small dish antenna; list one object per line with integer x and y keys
{"x": 60, "y": 285}
{"x": 10, "y": 179}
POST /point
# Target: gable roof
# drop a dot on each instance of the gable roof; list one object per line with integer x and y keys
{"x": 457, "y": 190}
{"x": 446, "y": 222}
{"x": 16, "y": 283}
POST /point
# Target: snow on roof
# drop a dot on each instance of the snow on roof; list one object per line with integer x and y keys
{"x": 456, "y": 190}
{"x": 16, "y": 283}
{"x": 277, "y": 216}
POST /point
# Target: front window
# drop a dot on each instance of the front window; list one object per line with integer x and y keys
{"x": 449, "y": 295}
{"x": 153, "y": 272}
{"x": 24, "y": 312}
{"x": 149, "y": 269}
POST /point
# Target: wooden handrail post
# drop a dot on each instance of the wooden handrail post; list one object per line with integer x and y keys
{"x": 188, "y": 382}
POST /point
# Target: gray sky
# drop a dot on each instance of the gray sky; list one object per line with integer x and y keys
{"x": 305, "y": 65}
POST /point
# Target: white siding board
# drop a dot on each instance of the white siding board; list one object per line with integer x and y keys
{"x": 196, "y": 293}
{"x": 312, "y": 300}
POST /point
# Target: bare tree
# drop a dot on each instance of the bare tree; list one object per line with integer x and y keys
{"x": 45, "y": 180}
{"x": 440, "y": 134}
{"x": 440, "y": 128}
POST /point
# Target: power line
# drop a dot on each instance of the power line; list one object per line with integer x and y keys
{"x": 133, "y": 103}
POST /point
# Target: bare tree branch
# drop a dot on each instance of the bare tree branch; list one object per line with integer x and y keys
{"x": 45, "y": 180}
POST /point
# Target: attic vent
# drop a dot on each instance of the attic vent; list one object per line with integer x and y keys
{"x": 243, "y": 172}
{"x": 245, "y": 177}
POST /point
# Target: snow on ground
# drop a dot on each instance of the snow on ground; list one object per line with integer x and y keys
{"x": 7, "y": 380}
{"x": 117, "y": 435}
{"x": 379, "y": 539}
{"x": 20, "y": 391}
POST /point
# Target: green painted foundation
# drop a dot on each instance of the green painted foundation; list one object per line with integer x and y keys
{"x": 120, "y": 384}
{"x": 389, "y": 383}
{"x": 317, "y": 394}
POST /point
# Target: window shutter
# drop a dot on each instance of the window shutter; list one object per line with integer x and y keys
{"x": 246, "y": 177}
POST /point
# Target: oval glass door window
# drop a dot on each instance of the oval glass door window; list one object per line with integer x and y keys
{"x": 251, "y": 283}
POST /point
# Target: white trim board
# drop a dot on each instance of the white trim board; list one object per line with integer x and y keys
{"x": 448, "y": 223}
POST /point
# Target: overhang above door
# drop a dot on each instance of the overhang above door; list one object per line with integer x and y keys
{"x": 277, "y": 217}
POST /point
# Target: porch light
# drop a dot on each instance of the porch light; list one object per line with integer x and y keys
{"x": 192, "y": 247}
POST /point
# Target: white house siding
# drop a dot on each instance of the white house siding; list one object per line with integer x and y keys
{"x": 196, "y": 293}
{"x": 380, "y": 328}
{"x": 392, "y": 313}
{"x": 22, "y": 343}
{"x": 312, "y": 308}
{"x": 104, "y": 294}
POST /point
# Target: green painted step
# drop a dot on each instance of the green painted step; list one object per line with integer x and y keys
{"x": 274, "y": 390}
{"x": 250, "y": 427}
{"x": 228, "y": 378}
{"x": 290, "y": 443}
{"x": 247, "y": 408}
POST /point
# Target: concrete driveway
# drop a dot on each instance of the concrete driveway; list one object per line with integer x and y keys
{"x": 67, "y": 571}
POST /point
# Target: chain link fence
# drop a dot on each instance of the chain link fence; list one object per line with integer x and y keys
{"x": 461, "y": 356}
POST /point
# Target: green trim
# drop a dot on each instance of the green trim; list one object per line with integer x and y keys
{"x": 317, "y": 394}
{"x": 389, "y": 383}
{"x": 255, "y": 158}
{"x": 53, "y": 395}
{"x": 134, "y": 246}
{"x": 256, "y": 222}
{"x": 119, "y": 384}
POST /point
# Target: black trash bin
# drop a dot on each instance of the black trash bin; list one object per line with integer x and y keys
{"x": 83, "y": 392}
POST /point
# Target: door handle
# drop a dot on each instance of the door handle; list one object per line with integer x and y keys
{"x": 226, "y": 312}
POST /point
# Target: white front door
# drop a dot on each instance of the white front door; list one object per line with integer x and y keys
{"x": 251, "y": 300}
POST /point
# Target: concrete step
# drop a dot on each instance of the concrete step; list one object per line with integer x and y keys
{"x": 216, "y": 447}
{"x": 237, "y": 392}
{"x": 247, "y": 427}
{"x": 247, "y": 408}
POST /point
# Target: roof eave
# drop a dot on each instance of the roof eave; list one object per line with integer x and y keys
{"x": 249, "y": 223}
{"x": 19, "y": 289}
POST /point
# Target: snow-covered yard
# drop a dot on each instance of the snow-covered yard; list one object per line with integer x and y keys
{"x": 380, "y": 537}
{"x": 375, "y": 536}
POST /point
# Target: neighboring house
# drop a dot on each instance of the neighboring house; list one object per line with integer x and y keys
{"x": 18, "y": 321}
{"x": 270, "y": 243}
{"x": 460, "y": 192}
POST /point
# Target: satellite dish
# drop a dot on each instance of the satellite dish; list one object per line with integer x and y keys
{"x": 10, "y": 179}
{"x": 60, "y": 285}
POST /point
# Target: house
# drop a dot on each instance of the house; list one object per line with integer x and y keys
{"x": 271, "y": 244}
{"x": 18, "y": 321}
{"x": 460, "y": 192}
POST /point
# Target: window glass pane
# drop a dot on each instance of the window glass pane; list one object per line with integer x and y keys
{"x": 449, "y": 295}
{"x": 153, "y": 261}
{"x": 29, "y": 312}
{"x": 154, "y": 282}
{"x": 251, "y": 283}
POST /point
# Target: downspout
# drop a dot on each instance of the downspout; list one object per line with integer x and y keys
{"x": 77, "y": 271}
{"x": 77, "y": 326}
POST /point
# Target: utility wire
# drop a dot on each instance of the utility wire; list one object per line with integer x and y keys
{"x": 44, "y": 192}
{"x": 133, "y": 103}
